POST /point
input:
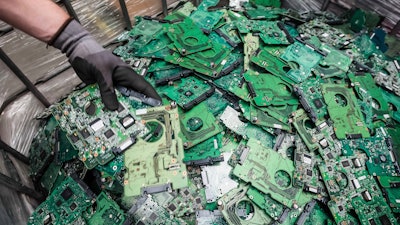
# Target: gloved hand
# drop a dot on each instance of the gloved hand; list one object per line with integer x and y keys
{"x": 93, "y": 64}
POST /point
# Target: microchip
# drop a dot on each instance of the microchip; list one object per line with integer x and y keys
{"x": 90, "y": 108}
{"x": 198, "y": 200}
{"x": 385, "y": 220}
{"x": 318, "y": 103}
{"x": 74, "y": 138}
{"x": 309, "y": 173}
{"x": 345, "y": 163}
{"x": 127, "y": 121}
{"x": 120, "y": 108}
{"x": 153, "y": 217}
{"x": 341, "y": 208}
{"x": 298, "y": 157}
{"x": 40, "y": 211}
{"x": 329, "y": 168}
{"x": 188, "y": 93}
{"x": 329, "y": 155}
{"x": 85, "y": 133}
{"x": 378, "y": 209}
{"x": 372, "y": 221}
{"x": 109, "y": 133}
{"x": 58, "y": 203}
{"x": 73, "y": 206}
{"x": 186, "y": 192}
{"x": 67, "y": 193}
{"x": 312, "y": 90}
{"x": 172, "y": 207}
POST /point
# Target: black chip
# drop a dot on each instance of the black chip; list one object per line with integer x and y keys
{"x": 198, "y": 200}
{"x": 153, "y": 217}
{"x": 298, "y": 157}
{"x": 73, "y": 206}
{"x": 385, "y": 220}
{"x": 312, "y": 90}
{"x": 58, "y": 203}
{"x": 172, "y": 207}
{"x": 309, "y": 173}
{"x": 140, "y": 223}
{"x": 109, "y": 133}
{"x": 40, "y": 211}
{"x": 378, "y": 209}
{"x": 340, "y": 208}
{"x": 90, "y": 108}
{"x": 85, "y": 133}
{"x": 346, "y": 163}
{"x": 67, "y": 193}
{"x": 329, "y": 168}
{"x": 318, "y": 103}
{"x": 329, "y": 155}
{"x": 186, "y": 192}
{"x": 372, "y": 221}
{"x": 120, "y": 108}
{"x": 74, "y": 138}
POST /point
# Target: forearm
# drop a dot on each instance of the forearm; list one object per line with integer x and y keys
{"x": 38, "y": 18}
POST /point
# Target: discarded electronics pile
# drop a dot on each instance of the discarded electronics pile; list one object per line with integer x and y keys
{"x": 268, "y": 117}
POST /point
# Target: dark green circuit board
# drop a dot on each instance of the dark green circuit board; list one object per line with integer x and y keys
{"x": 64, "y": 205}
{"x": 188, "y": 92}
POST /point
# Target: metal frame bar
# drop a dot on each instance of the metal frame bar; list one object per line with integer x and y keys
{"x": 164, "y": 7}
{"x": 14, "y": 152}
{"x": 23, "y": 78}
{"x": 14, "y": 185}
{"x": 70, "y": 10}
{"x": 125, "y": 14}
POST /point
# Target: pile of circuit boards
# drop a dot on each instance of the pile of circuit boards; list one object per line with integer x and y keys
{"x": 269, "y": 116}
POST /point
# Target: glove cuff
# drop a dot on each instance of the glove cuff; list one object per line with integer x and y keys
{"x": 61, "y": 29}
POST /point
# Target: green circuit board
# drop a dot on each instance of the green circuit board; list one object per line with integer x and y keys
{"x": 188, "y": 92}
{"x": 187, "y": 37}
{"x": 310, "y": 96}
{"x": 379, "y": 149}
{"x": 303, "y": 60}
{"x": 272, "y": 178}
{"x": 84, "y": 118}
{"x": 198, "y": 125}
{"x": 272, "y": 208}
{"x": 267, "y": 89}
{"x": 238, "y": 209}
{"x": 158, "y": 155}
{"x": 261, "y": 118}
{"x": 105, "y": 211}
{"x": 344, "y": 111}
{"x": 64, "y": 205}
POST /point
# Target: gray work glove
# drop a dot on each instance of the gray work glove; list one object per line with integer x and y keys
{"x": 93, "y": 64}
